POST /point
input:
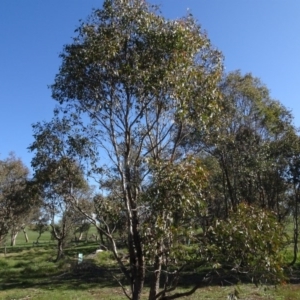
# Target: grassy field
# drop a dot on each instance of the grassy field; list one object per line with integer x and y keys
{"x": 28, "y": 272}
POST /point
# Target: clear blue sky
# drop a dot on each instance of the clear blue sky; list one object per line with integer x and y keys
{"x": 257, "y": 36}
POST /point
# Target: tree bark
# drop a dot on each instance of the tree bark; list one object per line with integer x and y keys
{"x": 60, "y": 250}
{"x": 137, "y": 259}
{"x": 154, "y": 285}
{"x": 101, "y": 238}
{"x": 13, "y": 238}
{"x": 25, "y": 235}
{"x": 37, "y": 239}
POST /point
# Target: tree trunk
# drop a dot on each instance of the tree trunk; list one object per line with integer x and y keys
{"x": 101, "y": 238}
{"x": 137, "y": 260}
{"x": 139, "y": 270}
{"x": 154, "y": 284}
{"x": 138, "y": 283}
{"x": 60, "y": 250}
{"x": 13, "y": 238}
{"x": 25, "y": 235}
{"x": 37, "y": 239}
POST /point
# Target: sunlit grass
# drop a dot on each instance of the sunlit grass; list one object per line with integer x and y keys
{"x": 29, "y": 272}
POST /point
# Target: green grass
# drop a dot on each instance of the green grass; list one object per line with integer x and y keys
{"x": 32, "y": 274}
{"x": 44, "y": 241}
{"x": 28, "y": 272}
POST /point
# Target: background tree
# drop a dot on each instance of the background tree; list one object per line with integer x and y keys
{"x": 58, "y": 180}
{"x": 250, "y": 148}
{"x": 129, "y": 84}
{"x": 252, "y": 160}
{"x": 40, "y": 224}
{"x": 18, "y": 197}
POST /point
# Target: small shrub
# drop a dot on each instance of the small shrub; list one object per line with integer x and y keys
{"x": 104, "y": 258}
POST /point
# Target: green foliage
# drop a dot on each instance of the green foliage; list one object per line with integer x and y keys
{"x": 129, "y": 87}
{"x": 248, "y": 149}
{"x": 128, "y": 43}
{"x": 40, "y": 227}
{"x": 250, "y": 242}
{"x": 105, "y": 258}
{"x": 45, "y": 279}
{"x": 139, "y": 100}
{"x": 173, "y": 197}
{"x": 19, "y": 196}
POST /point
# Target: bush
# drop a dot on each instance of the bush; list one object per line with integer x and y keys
{"x": 250, "y": 242}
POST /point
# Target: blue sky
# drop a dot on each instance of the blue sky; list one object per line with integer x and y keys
{"x": 257, "y": 36}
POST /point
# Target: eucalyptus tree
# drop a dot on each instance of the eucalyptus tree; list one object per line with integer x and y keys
{"x": 58, "y": 176}
{"x": 18, "y": 196}
{"x": 251, "y": 146}
{"x": 129, "y": 84}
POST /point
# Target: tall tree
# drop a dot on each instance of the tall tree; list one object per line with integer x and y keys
{"x": 251, "y": 146}
{"x": 129, "y": 84}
